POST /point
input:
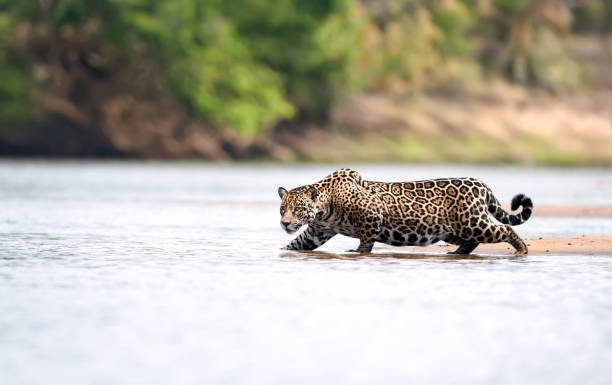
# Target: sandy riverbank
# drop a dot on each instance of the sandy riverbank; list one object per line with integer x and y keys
{"x": 584, "y": 245}
{"x": 578, "y": 246}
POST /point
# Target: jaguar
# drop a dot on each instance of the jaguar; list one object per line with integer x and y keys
{"x": 419, "y": 213}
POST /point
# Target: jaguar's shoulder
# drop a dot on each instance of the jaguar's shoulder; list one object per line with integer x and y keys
{"x": 345, "y": 175}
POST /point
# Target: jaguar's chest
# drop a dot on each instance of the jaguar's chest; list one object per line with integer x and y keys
{"x": 341, "y": 221}
{"x": 345, "y": 227}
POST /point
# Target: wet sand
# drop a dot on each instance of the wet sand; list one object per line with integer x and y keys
{"x": 584, "y": 245}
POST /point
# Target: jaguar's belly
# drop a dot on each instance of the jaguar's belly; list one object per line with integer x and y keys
{"x": 347, "y": 230}
{"x": 398, "y": 238}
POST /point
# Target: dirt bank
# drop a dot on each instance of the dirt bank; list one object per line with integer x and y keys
{"x": 500, "y": 124}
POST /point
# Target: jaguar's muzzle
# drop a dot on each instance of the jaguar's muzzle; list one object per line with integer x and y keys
{"x": 289, "y": 227}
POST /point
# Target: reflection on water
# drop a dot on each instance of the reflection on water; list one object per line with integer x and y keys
{"x": 437, "y": 257}
{"x": 153, "y": 273}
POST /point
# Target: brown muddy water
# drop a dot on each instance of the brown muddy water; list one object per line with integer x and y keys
{"x": 171, "y": 273}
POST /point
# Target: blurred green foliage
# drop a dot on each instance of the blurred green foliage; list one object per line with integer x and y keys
{"x": 593, "y": 16}
{"x": 208, "y": 61}
{"x": 248, "y": 64}
{"x": 243, "y": 64}
{"x": 429, "y": 42}
{"x": 16, "y": 84}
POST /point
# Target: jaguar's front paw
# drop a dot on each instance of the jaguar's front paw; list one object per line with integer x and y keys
{"x": 358, "y": 251}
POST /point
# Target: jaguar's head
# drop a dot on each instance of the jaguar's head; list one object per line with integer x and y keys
{"x": 298, "y": 207}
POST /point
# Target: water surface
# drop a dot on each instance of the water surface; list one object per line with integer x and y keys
{"x": 171, "y": 273}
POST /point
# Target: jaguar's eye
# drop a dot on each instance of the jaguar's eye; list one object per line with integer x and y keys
{"x": 282, "y": 210}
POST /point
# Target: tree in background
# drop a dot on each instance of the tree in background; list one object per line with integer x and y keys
{"x": 429, "y": 42}
{"x": 247, "y": 63}
{"x": 414, "y": 44}
{"x": 525, "y": 41}
{"x": 15, "y": 101}
{"x": 243, "y": 64}
{"x": 593, "y": 16}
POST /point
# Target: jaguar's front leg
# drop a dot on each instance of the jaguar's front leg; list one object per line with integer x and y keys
{"x": 369, "y": 229}
{"x": 310, "y": 239}
{"x": 366, "y": 244}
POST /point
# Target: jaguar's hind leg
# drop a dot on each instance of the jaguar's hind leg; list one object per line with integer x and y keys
{"x": 500, "y": 233}
{"x": 512, "y": 238}
{"x": 465, "y": 248}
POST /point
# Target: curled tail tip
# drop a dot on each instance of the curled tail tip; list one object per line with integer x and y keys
{"x": 516, "y": 201}
{"x": 522, "y": 200}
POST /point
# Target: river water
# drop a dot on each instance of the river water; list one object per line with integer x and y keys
{"x": 171, "y": 273}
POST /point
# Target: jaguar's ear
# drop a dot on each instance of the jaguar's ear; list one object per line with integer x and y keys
{"x": 282, "y": 192}
{"x": 312, "y": 192}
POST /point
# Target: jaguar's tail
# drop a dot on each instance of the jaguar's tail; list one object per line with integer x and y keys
{"x": 501, "y": 215}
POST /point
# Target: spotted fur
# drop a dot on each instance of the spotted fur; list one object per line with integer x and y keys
{"x": 420, "y": 213}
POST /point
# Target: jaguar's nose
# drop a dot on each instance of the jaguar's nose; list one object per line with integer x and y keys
{"x": 285, "y": 223}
